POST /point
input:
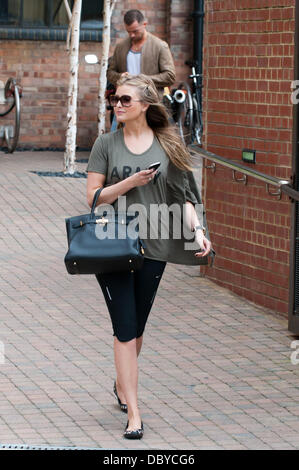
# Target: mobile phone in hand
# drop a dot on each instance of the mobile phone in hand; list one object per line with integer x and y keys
{"x": 154, "y": 166}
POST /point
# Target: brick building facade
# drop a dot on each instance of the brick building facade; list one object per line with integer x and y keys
{"x": 248, "y": 68}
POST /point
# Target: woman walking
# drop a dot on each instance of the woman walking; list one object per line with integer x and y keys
{"x": 119, "y": 163}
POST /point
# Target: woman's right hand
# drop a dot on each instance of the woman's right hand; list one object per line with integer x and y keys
{"x": 143, "y": 177}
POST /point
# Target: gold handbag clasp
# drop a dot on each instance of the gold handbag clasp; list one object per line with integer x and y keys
{"x": 102, "y": 221}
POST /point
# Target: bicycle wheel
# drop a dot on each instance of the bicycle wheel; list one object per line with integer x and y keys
{"x": 185, "y": 115}
{"x": 12, "y": 92}
{"x": 9, "y": 103}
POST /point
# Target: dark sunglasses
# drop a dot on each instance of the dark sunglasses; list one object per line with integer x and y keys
{"x": 125, "y": 100}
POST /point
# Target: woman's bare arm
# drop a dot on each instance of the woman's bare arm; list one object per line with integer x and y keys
{"x": 193, "y": 221}
{"x": 111, "y": 193}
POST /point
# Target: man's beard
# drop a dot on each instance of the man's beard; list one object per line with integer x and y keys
{"x": 140, "y": 38}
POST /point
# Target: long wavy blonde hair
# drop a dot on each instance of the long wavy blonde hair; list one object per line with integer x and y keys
{"x": 158, "y": 120}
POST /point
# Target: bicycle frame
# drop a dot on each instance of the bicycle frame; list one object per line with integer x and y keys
{"x": 186, "y": 108}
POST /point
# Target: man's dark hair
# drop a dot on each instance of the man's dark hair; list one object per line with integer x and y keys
{"x": 133, "y": 15}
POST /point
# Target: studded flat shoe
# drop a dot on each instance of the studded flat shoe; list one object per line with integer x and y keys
{"x": 122, "y": 406}
{"x": 134, "y": 434}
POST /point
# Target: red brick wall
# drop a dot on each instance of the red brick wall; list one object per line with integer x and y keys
{"x": 42, "y": 69}
{"x": 180, "y": 35}
{"x": 248, "y": 72}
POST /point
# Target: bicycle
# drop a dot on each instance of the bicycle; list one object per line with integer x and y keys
{"x": 12, "y": 95}
{"x": 186, "y": 107}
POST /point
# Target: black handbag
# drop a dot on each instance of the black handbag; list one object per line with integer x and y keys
{"x": 103, "y": 244}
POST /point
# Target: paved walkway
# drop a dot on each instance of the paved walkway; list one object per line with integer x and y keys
{"x": 215, "y": 371}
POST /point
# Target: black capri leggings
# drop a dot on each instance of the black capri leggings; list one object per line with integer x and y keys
{"x": 129, "y": 297}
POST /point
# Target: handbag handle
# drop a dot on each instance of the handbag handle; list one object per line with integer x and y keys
{"x": 95, "y": 199}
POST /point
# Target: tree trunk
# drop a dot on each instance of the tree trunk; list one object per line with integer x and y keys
{"x": 70, "y": 148}
{"x": 108, "y": 9}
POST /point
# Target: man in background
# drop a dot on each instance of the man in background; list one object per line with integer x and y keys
{"x": 141, "y": 52}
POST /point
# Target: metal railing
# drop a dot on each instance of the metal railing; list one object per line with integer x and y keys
{"x": 282, "y": 186}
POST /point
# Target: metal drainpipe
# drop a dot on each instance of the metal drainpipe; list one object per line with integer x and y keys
{"x": 294, "y": 242}
{"x": 198, "y": 16}
{"x": 198, "y": 23}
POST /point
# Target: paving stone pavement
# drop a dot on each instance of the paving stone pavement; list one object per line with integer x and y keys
{"x": 215, "y": 370}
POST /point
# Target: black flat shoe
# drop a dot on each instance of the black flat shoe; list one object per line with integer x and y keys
{"x": 136, "y": 434}
{"x": 123, "y": 406}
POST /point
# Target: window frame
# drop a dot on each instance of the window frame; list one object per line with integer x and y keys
{"x": 47, "y": 32}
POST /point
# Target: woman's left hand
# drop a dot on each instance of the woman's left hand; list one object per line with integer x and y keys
{"x": 204, "y": 244}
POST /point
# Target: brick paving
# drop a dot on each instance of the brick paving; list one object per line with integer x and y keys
{"x": 215, "y": 371}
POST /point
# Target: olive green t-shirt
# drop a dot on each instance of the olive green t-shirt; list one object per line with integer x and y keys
{"x": 111, "y": 157}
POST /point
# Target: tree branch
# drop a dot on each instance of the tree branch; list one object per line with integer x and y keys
{"x": 107, "y": 11}
{"x": 68, "y": 10}
{"x": 70, "y": 16}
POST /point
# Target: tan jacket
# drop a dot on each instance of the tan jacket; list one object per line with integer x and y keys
{"x": 156, "y": 61}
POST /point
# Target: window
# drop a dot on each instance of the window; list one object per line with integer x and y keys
{"x": 47, "y": 19}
